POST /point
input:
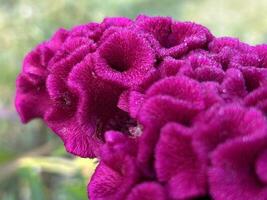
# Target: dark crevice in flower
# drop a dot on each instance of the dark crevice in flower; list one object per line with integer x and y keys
{"x": 119, "y": 56}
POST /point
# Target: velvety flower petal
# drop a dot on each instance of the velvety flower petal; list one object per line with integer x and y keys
{"x": 131, "y": 102}
{"x": 124, "y": 59}
{"x": 178, "y": 164}
{"x": 95, "y": 94}
{"x": 117, "y": 146}
{"x": 109, "y": 184}
{"x": 92, "y": 31}
{"x": 123, "y": 102}
{"x": 63, "y": 101}
{"x": 226, "y": 48}
{"x": 31, "y": 89}
{"x": 176, "y": 99}
{"x": 30, "y": 95}
{"x": 117, "y": 173}
{"x": 246, "y": 59}
{"x": 151, "y": 115}
{"x": 135, "y": 102}
{"x": 111, "y": 25}
{"x": 92, "y": 108}
{"x": 186, "y": 36}
{"x": 232, "y": 174}
{"x": 116, "y": 21}
{"x": 171, "y": 67}
{"x": 35, "y": 72}
{"x": 218, "y": 44}
{"x": 204, "y": 66}
{"x": 72, "y": 52}
{"x": 62, "y": 116}
{"x": 147, "y": 191}
{"x": 261, "y": 166}
{"x": 95, "y": 90}
{"x": 65, "y": 118}
{"x": 262, "y": 53}
{"x": 158, "y": 27}
{"x": 257, "y": 98}
{"x": 254, "y": 77}
{"x": 149, "y": 79}
{"x": 223, "y": 123}
{"x": 58, "y": 39}
{"x": 78, "y": 138}
{"x": 180, "y": 87}
{"x": 174, "y": 38}
{"x": 199, "y": 59}
{"x": 211, "y": 93}
{"x": 207, "y": 73}
{"x": 35, "y": 63}
{"x": 233, "y": 84}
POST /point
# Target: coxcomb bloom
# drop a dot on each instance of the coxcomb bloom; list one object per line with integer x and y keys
{"x": 171, "y": 111}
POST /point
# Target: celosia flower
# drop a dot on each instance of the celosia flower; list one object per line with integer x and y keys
{"x": 171, "y": 111}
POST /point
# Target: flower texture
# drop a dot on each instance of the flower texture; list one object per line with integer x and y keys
{"x": 171, "y": 111}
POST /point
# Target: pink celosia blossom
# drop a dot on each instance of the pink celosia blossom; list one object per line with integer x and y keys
{"x": 171, "y": 111}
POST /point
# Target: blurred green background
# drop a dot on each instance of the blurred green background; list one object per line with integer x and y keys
{"x": 33, "y": 163}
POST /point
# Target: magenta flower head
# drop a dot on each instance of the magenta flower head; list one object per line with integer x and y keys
{"x": 170, "y": 111}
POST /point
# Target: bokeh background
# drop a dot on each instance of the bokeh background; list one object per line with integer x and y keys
{"x": 33, "y": 163}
